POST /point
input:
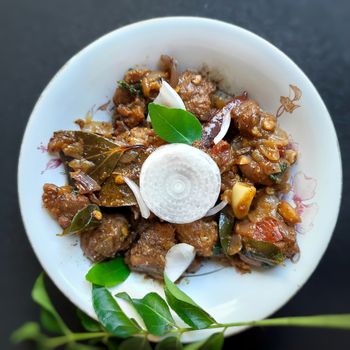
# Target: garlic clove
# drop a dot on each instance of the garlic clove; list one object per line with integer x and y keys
{"x": 242, "y": 197}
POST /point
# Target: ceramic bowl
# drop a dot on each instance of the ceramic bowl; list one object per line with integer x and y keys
{"x": 242, "y": 61}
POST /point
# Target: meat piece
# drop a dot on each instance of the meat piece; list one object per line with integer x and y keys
{"x": 141, "y": 136}
{"x": 251, "y": 120}
{"x": 122, "y": 96}
{"x": 222, "y": 155}
{"x": 213, "y": 126}
{"x": 265, "y": 225}
{"x": 109, "y": 238}
{"x": 196, "y": 91}
{"x": 148, "y": 254}
{"x": 202, "y": 234}
{"x": 84, "y": 183}
{"x": 65, "y": 141}
{"x": 63, "y": 203}
{"x": 133, "y": 113}
{"x": 133, "y": 76}
{"x": 169, "y": 64}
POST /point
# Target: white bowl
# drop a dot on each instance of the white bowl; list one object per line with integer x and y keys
{"x": 245, "y": 62}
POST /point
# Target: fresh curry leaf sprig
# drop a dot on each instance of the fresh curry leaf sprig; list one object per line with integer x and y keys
{"x": 117, "y": 331}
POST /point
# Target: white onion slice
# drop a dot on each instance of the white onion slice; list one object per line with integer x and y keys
{"x": 178, "y": 258}
{"x": 226, "y": 121}
{"x": 216, "y": 209}
{"x": 145, "y": 212}
{"x": 168, "y": 97}
{"x": 179, "y": 183}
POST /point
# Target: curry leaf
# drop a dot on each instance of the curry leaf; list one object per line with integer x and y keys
{"x": 265, "y": 252}
{"x": 175, "y": 125}
{"x": 104, "y": 153}
{"x": 134, "y": 89}
{"x": 87, "y": 322}
{"x": 108, "y": 273}
{"x": 154, "y": 311}
{"x": 29, "y": 331}
{"x": 214, "y": 342}
{"x": 40, "y": 296}
{"x": 185, "y": 307}
{"x": 49, "y": 322}
{"x": 111, "y": 316}
{"x": 86, "y": 218}
{"x": 169, "y": 343}
{"x": 225, "y": 230}
{"x": 135, "y": 343}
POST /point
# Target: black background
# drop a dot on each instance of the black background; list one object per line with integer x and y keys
{"x": 37, "y": 37}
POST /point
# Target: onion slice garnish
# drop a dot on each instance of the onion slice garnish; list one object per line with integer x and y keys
{"x": 179, "y": 183}
{"x": 178, "y": 258}
{"x": 216, "y": 209}
{"x": 168, "y": 97}
{"x": 145, "y": 212}
{"x": 226, "y": 121}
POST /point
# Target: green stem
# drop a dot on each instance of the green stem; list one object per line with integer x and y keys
{"x": 322, "y": 321}
{"x": 58, "y": 341}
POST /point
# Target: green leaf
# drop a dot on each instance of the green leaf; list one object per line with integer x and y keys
{"x": 185, "y": 307}
{"x": 87, "y": 322}
{"x": 154, "y": 311}
{"x": 134, "y": 89}
{"x": 29, "y": 331}
{"x": 108, "y": 273}
{"x": 86, "y": 218}
{"x": 226, "y": 222}
{"x": 40, "y": 296}
{"x": 79, "y": 346}
{"x": 214, "y": 342}
{"x": 175, "y": 125}
{"x": 265, "y": 252}
{"x": 49, "y": 322}
{"x": 135, "y": 343}
{"x": 110, "y": 315}
{"x": 169, "y": 343}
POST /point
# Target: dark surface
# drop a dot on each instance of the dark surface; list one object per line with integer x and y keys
{"x": 38, "y": 37}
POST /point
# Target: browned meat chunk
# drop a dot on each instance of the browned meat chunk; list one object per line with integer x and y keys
{"x": 196, "y": 91}
{"x": 202, "y": 234}
{"x": 141, "y": 136}
{"x": 133, "y": 76}
{"x": 169, "y": 64}
{"x": 65, "y": 141}
{"x": 109, "y": 238}
{"x": 63, "y": 203}
{"x": 251, "y": 120}
{"x": 133, "y": 113}
{"x": 222, "y": 155}
{"x": 148, "y": 254}
{"x": 265, "y": 225}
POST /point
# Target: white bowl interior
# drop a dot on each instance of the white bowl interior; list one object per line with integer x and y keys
{"x": 244, "y": 62}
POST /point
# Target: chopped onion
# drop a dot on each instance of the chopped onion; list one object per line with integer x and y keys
{"x": 226, "y": 121}
{"x": 168, "y": 97}
{"x": 145, "y": 212}
{"x": 216, "y": 209}
{"x": 178, "y": 258}
{"x": 179, "y": 183}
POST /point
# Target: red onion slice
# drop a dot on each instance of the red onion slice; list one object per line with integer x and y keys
{"x": 145, "y": 212}
{"x": 216, "y": 209}
{"x": 226, "y": 121}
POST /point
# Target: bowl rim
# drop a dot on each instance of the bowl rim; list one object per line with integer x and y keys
{"x": 150, "y": 22}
